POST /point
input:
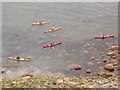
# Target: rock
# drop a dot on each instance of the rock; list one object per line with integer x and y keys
{"x": 2, "y": 71}
{"x": 114, "y": 48}
{"x": 15, "y": 65}
{"x": 66, "y": 79}
{"x": 26, "y": 77}
{"x": 92, "y": 58}
{"x": 5, "y": 66}
{"x": 90, "y": 63}
{"x": 14, "y": 82}
{"x": 88, "y": 44}
{"x": 113, "y": 57}
{"x": 118, "y": 52}
{"x": 98, "y": 62}
{"x": 104, "y": 60}
{"x": 85, "y": 51}
{"x": 109, "y": 67}
{"x": 88, "y": 71}
{"x": 94, "y": 86}
{"x": 71, "y": 84}
{"x": 0, "y": 79}
{"x": 59, "y": 81}
{"x": 29, "y": 70}
{"x": 74, "y": 67}
{"x": 110, "y": 53}
{"x": 115, "y": 64}
{"x": 101, "y": 73}
{"x": 101, "y": 68}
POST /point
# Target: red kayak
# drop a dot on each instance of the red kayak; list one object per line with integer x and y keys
{"x": 108, "y": 36}
{"x": 51, "y": 45}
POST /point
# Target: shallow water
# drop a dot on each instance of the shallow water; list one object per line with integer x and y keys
{"x": 80, "y": 22}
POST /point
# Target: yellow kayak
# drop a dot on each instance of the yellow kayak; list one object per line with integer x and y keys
{"x": 52, "y": 30}
{"x": 21, "y": 59}
{"x": 40, "y": 23}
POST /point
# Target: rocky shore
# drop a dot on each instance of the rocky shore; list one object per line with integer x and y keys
{"x": 109, "y": 78}
{"x": 46, "y": 81}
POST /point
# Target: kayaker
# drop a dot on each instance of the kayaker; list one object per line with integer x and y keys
{"x": 18, "y": 57}
{"x": 53, "y": 28}
{"x": 103, "y": 36}
{"x": 50, "y": 44}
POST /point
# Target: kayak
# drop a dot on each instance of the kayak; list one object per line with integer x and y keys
{"x": 40, "y": 23}
{"x": 108, "y": 36}
{"x": 21, "y": 59}
{"x": 52, "y": 45}
{"x": 52, "y": 30}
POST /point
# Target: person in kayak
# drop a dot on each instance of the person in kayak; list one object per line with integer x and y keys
{"x": 50, "y": 44}
{"x": 18, "y": 57}
{"x": 53, "y": 28}
{"x": 103, "y": 36}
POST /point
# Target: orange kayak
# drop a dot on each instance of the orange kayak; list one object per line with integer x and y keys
{"x": 52, "y": 30}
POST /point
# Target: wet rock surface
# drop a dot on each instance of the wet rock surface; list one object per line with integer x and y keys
{"x": 109, "y": 67}
{"x": 74, "y": 67}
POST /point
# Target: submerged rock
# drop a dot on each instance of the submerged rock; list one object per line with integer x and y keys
{"x": 74, "y": 67}
{"x": 110, "y": 53}
{"x": 92, "y": 58}
{"x": 104, "y": 60}
{"x": 114, "y": 48}
{"x": 109, "y": 67}
{"x": 2, "y": 71}
{"x": 113, "y": 57}
{"x": 27, "y": 75}
{"x": 90, "y": 63}
{"x": 15, "y": 65}
{"x": 88, "y": 71}
{"x": 5, "y": 66}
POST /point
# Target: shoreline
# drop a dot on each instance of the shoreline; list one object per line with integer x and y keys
{"x": 107, "y": 79}
{"x": 47, "y": 81}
